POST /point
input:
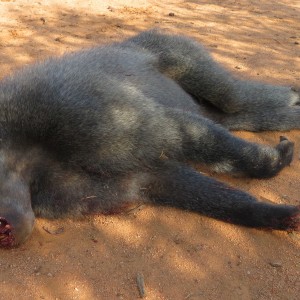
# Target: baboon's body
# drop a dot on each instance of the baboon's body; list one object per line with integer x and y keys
{"x": 95, "y": 131}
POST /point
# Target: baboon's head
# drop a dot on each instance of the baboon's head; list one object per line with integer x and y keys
{"x": 16, "y": 215}
{"x": 15, "y": 228}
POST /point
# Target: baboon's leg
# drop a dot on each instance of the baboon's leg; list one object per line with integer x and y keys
{"x": 191, "y": 66}
{"x": 193, "y": 138}
{"x": 176, "y": 185}
{"x": 284, "y": 118}
{"x": 180, "y": 186}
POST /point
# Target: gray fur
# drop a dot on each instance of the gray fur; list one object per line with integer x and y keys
{"x": 97, "y": 130}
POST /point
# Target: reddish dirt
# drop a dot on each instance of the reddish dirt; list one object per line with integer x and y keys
{"x": 180, "y": 255}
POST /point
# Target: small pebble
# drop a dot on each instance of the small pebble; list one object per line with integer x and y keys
{"x": 276, "y": 264}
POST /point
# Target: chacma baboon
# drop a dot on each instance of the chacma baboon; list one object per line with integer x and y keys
{"x": 95, "y": 131}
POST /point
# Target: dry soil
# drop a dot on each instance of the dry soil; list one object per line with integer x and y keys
{"x": 179, "y": 255}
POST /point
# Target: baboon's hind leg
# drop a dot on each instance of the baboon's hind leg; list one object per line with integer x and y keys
{"x": 284, "y": 118}
{"x": 191, "y": 66}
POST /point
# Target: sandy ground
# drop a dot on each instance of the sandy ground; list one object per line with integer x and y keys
{"x": 180, "y": 255}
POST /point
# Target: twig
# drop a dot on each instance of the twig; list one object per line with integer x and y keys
{"x": 141, "y": 284}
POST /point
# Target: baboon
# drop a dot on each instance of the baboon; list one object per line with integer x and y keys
{"x": 94, "y": 131}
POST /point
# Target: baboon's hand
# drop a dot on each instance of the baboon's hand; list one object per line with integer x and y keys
{"x": 273, "y": 159}
{"x": 286, "y": 150}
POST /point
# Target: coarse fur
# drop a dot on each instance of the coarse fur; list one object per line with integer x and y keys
{"x": 97, "y": 130}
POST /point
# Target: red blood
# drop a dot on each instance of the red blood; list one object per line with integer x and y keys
{"x": 6, "y": 236}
